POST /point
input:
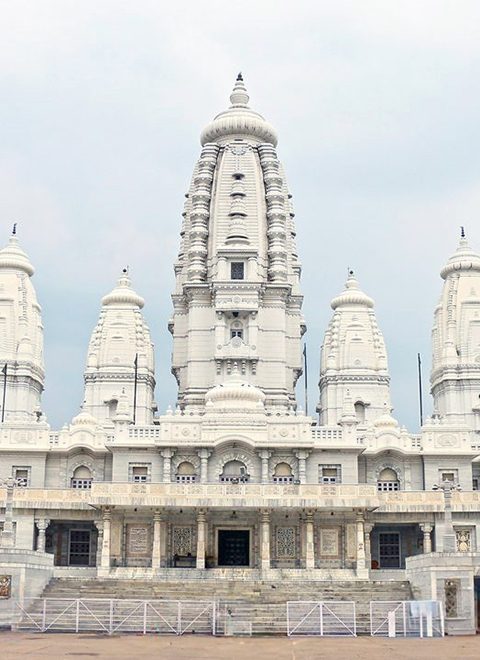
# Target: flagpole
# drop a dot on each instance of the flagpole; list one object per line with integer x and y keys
{"x": 306, "y": 377}
{"x": 420, "y": 393}
{"x": 4, "y": 391}
{"x": 135, "y": 389}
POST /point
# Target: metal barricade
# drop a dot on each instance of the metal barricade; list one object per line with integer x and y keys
{"x": 323, "y": 618}
{"x": 164, "y": 617}
{"x": 406, "y": 618}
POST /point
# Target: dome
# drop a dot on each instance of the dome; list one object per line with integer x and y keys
{"x": 352, "y": 295}
{"x": 84, "y": 419}
{"x": 386, "y": 420}
{"x": 235, "y": 394}
{"x": 239, "y": 120}
{"x": 12, "y": 256}
{"x": 123, "y": 294}
{"x": 463, "y": 259}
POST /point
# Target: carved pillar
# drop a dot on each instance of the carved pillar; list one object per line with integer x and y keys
{"x": 361, "y": 564}
{"x": 42, "y": 524}
{"x": 99, "y": 525}
{"x": 265, "y": 540}
{"x": 105, "y": 558}
{"x": 264, "y": 456}
{"x": 427, "y": 538}
{"x": 167, "y": 465}
{"x": 302, "y": 456}
{"x": 201, "y": 538}
{"x": 204, "y": 455}
{"x": 157, "y": 539}
{"x": 309, "y": 541}
{"x": 7, "y": 539}
{"x": 368, "y": 547}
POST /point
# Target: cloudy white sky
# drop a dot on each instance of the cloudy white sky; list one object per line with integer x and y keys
{"x": 101, "y": 107}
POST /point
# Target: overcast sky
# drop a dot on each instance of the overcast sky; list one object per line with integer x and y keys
{"x": 376, "y": 105}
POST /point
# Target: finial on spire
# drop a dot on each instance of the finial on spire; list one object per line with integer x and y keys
{"x": 14, "y": 230}
{"x": 462, "y": 232}
{"x": 350, "y": 271}
{"x": 239, "y": 96}
{"x": 125, "y": 270}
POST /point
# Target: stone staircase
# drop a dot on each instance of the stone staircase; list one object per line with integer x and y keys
{"x": 260, "y": 603}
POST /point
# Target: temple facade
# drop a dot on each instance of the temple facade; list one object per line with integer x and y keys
{"x": 237, "y": 479}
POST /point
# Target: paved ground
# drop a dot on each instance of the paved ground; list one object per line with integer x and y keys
{"x": 19, "y": 645}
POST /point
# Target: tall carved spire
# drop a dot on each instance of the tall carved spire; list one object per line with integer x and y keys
{"x": 21, "y": 334}
{"x": 238, "y": 270}
{"x": 354, "y": 359}
{"x": 119, "y": 349}
{"x": 455, "y": 376}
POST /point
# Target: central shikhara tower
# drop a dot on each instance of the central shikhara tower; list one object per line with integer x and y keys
{"x": 237, "y": 301}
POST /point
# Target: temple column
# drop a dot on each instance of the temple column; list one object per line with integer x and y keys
{"x": 264, "y": 456}
{"x": 201, "y": 538}
{"x": 7, "y": 539}
{"x": 157, "y": 539}
{"x": 105, "y": 557}
{"x": 368, "y": 545}
{"x": 99, "y": 525}
{"x": 302, "y": 456}
{"x": 204, "y": 455}
{"x": 427, "y": 538}
{"x": 42, "y": 524}
{"x": 309, "y": 541}
{"x": 361, "y": 563}
{"x": 167, "y": 465}
{"x": 265, "y": 540}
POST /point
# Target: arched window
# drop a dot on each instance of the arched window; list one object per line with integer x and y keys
{"x": 185, "y": 473}
{"x": 283, "y": 474}
{"x": 360, "y": 412}
{"x": 236, "y": 333}
{"x": 235, "y": 472}
{"x": 82, "y": 478}
{"x": 112, "y": 407}
{"x": 388, "y": 480}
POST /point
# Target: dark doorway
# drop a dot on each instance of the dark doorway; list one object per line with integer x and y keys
{"x": 389, "y": 549}
{"x": 233, "y": 547}
{"x": 477, "y": 601}
{"x": 79, "y": 547}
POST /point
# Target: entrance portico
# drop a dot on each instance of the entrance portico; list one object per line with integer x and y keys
{"x": 298, "y": 526}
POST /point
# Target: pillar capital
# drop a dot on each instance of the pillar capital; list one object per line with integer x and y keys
{"x": 42, "y": 524}
{"x": 264, "y": 453}
{"x": 265, "y": 515}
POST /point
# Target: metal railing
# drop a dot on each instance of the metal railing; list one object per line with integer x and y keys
{"x": 322, "y": 618}
{"x": 407, "y": 618}
{"x": 108, "y": 616}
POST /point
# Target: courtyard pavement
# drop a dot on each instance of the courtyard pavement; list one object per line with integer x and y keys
{"x": 28, "y": 645}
